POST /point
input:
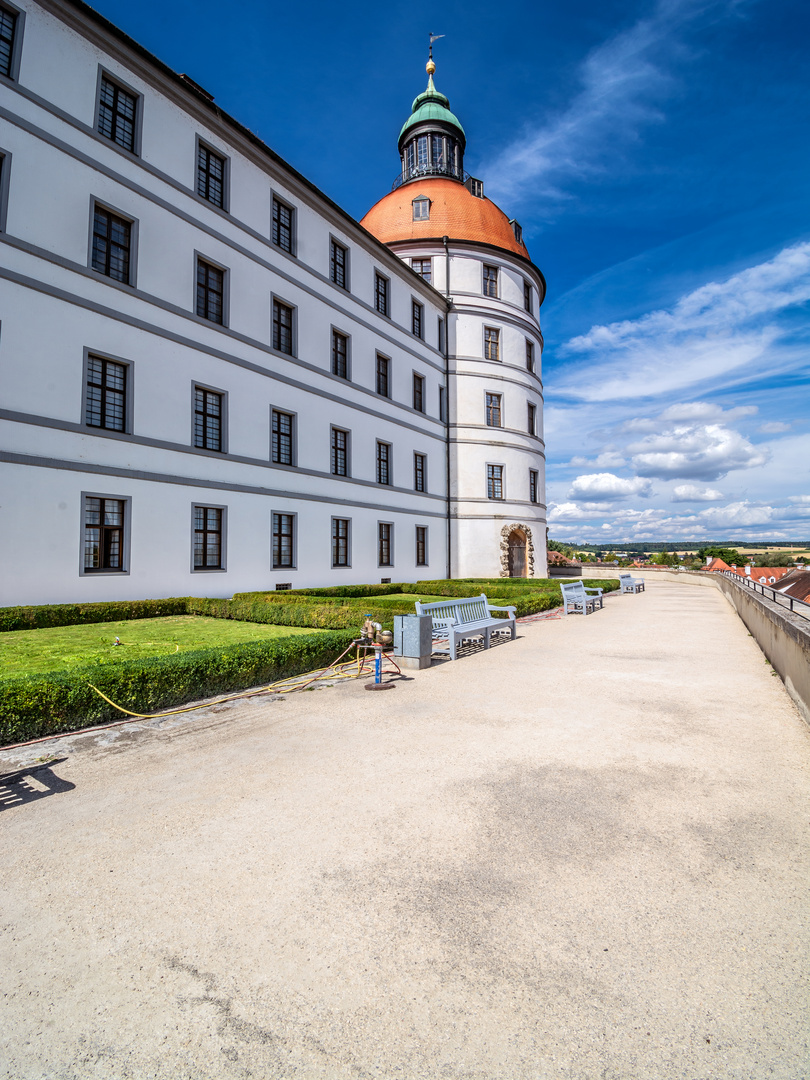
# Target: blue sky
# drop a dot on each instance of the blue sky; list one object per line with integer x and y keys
{"x": 657, "y": 155}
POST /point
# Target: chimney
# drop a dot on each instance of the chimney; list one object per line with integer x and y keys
{"x": 748, "y": 571}
{"x": 708, "y": 559}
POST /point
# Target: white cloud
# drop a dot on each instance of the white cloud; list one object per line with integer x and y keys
{"x": 620, "y": 85}
{"x": 799, "y": 498}
{"x": 775, "y": 427}
{"x": 695, "y": 451}
{"x": 708, "y": 334}
{"x": 607, "y": 487}
{"x": 693, "y": 493}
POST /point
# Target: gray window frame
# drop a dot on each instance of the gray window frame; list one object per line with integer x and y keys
{"x": 391, "y": 535}
{"x": 129, "y": 411}
{"x": 5, "y": 186}
{"x": 226, "y": 175}
{"x": 340, "y": 566}
{"x": 536, "y": 474}
{"x": 497, "y": 331}
{"x": 418, "y": 379}
{"x": 293, "y": 437}
{"x": 105, "y": 73}
{"x": 223, "y": 430}
{"x": 199, "y": 257}
{"x": 294, "y": 515}
{"x": 417, "y": 314}
{"x": 378, "y": 275}
{"x": 126, "y": 537}
{"x": 530, "y": 359}
{"x": 276, "y": 299}
{"x": 102, "y": 204}
{"x": 500, "y": 396}
{"x": 347, "y": 287}
{"x": 377, "y": 357}
{"x": 337, "y": 330}
{"x": 424, "y": 203}
{"x": 416, "y": 545}
{"x": 531, "y": 418}
{"x": 389, "y": 463}
{"x": 495, "y": 465}
{"x": 424, "y": 457}
{"x": 16, "y": 46}
{"x": 223, "y": 539}
{"x": 276, "y": 198}
{"x": 347, "y": 432}
{"x": 497, "y": 269}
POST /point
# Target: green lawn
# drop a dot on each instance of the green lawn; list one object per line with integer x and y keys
{"x": 62, "y": 647}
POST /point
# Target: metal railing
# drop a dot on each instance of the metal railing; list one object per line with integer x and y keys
{"x": 430, "y": 170}
{"x": 798, "y": 607}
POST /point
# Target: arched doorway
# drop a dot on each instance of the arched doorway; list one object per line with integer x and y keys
{"x": 516, "y": 543}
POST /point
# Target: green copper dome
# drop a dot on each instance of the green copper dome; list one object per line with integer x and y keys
{"x": 431, "y": 106}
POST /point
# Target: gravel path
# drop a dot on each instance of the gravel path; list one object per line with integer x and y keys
{"x": 579, "y": 856}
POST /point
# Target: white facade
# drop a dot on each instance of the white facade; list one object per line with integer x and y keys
{"x": 59, "y": 312}
{"x": 496, "y": 408}
{"x": 157, "y": 325}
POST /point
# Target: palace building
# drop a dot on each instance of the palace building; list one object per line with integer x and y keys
{"x": 212, "y": 378}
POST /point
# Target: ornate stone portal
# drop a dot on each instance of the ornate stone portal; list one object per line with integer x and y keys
{"x": 511, "y": 537}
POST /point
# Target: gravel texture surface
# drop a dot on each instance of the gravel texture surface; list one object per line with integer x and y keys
{"x": 582, "y": 855}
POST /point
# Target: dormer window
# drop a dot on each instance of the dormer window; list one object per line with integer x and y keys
{"x": 421, "y": 208}
{"x": 475, "y": 187}
{"x": 517, "y": 230}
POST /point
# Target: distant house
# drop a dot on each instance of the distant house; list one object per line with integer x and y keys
{"x": 560, "y": 566}
{"x": 796, "y": 584}
{"x": 716, "y": 564}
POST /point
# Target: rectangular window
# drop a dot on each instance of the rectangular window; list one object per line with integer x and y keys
{"x": 340, "y": 541}
{"x": 419, "y": 393}
{"x": 533, "y": 485}
{"x": 283, "y": 541}
{"x": 340, "y": 355}
{"x": 441, "y": 334}
{"x": 338, "y": 264}
{"x": 494, "y": 481}
{"x": 529, "y": 355}
{"x": 421, "y": 545}
{"x": 492, "y": 343}
{"x": 490, "y": 280}
{"x": 112, "y": 239}
{"x": 210, "y": 176}
{"x": 103, "y": 534}
{"x": 383, "y": 376}
{"x": 283, "y": 327}
{"x": 443, "y": 404}
{"x": 417, "y": 313}
{"x": 384, "y": 535}
{"x": 494, "y": 410}
{"x": 207, "y": 419}
{"x": 283, "y": 225}
{"x": 208, "y": 538}
{"x": 117, "y": 114}
{"x": 421, "y": 209}
{"x": 8, "y": 33}
{"x": 527, "y": 296}
{"x": 419, "y": 469}
{"x": 531, "y": 419}
{"x": 340, "y": 452}
{"x": 383, "y": 463}
{"x": 282, "y": 448}
{"x": 106, "y": 401}
{"x": 423, "y": 267}
{"x": 210, "y": 292}
{"x": 381, "y": 294}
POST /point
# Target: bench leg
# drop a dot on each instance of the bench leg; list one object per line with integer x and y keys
{"x": 486, "y": 637}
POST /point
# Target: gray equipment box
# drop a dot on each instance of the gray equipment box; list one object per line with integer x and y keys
{"x": 413, "y": 640}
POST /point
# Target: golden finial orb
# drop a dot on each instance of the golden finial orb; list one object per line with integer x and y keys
{"x": 430, "y": 67}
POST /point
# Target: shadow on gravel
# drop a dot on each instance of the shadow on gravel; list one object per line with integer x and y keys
{"x": 30, "y": 785}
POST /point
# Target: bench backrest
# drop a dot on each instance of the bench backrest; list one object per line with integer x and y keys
{"x": 572, "y": 589}
{"x": 625, "y": 577}
{"x": 467, "y": 610}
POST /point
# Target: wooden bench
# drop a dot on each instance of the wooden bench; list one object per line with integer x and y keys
{"x": 457, "y": 621}
{"x": 631, "y": 584}
{"x": 577, "y": 598}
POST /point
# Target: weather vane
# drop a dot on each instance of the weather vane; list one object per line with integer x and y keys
{"x": 431, "y": 38}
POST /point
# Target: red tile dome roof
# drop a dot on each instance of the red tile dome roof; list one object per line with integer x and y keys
{"x": 454, "y": 212}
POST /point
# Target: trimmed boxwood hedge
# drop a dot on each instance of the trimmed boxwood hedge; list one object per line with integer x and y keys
{"x": 39, "y": 705}
{"x": 34, "y": 618}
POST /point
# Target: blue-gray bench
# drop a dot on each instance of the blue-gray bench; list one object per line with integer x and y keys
{"x": 457, "y": 621}
{"x": 631, "y": 584}
{"x": 577, "y": 598}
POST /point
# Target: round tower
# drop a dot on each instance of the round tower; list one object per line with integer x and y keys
{"x": 439, "y": 221}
